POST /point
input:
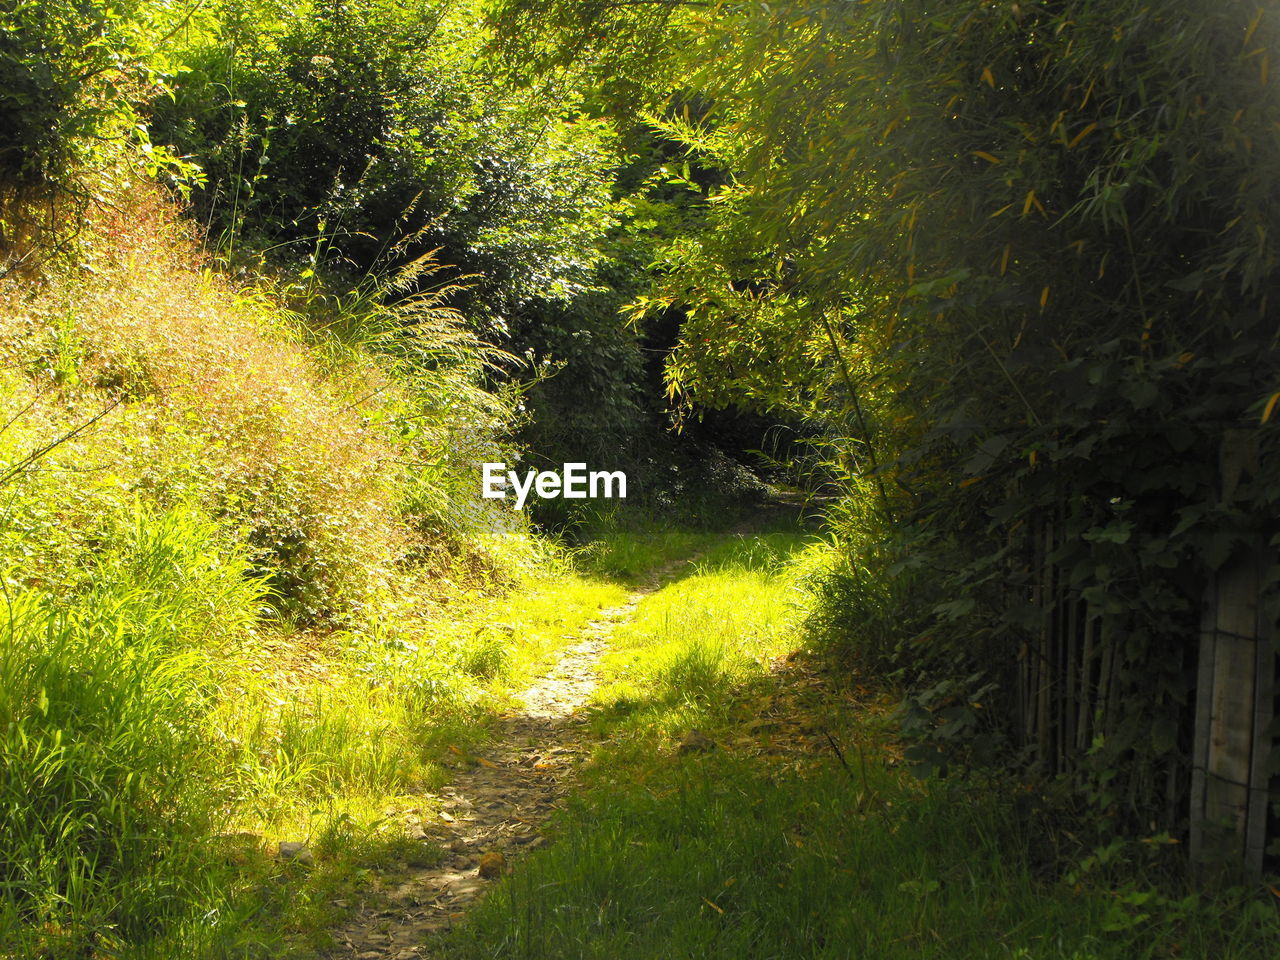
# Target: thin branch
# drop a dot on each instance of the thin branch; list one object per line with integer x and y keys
{"x": 840, "y": 755}
{"x": 1008, "y": 376}
{"x": 35, "y": 455}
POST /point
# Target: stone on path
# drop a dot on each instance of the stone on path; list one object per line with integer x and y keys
{"x": 297, "y": 851}
{"x": 492, "y": 864}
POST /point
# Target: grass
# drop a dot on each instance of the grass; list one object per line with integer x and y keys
{"x": 102, "y": 809}
{"x": 710, "y": 631}
{"x": 346, "y": 762}
{"x": 631, "y": 553}
{"x": 148, "y": 777}
{"x": 769, "y": 845}
{"x": 253, "y": 601}
{"x": 250, "y": 594}
{"x": 730, "y": 856}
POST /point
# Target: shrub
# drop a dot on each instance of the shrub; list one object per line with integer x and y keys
{"x": 337, "y": 447}
{"x": 59, "y": 62}
{"x": 336, "y": 131}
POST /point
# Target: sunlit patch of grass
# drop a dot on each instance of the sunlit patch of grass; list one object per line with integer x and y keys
{"x": 546, "y": 617}
{"x": 629, "y": 555}
{"x": 689, "y": 645}
{"x": 764, "y": 840}
{"x": 490, "y": 645}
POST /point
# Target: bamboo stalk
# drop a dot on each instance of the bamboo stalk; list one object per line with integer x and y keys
{"x": 1085, "y": 712}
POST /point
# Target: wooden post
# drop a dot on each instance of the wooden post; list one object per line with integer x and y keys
{"x": 1255, "y": 843}
{"x": 1070, "y": 685}
{"x": 1204, "y": 711}
{"x": 1234, "y": 708}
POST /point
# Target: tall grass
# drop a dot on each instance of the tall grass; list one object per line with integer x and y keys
{"x": 103, "y": 804}
{"x": 674, "y": 664}
{"x": 871, "y": 594}
{"x": 229, "y": 534}
{"x": 340, "y": 437}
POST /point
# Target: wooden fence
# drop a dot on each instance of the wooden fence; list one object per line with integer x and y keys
{"x": 1068, "y": 692}
{"x": 1232, "y": 789}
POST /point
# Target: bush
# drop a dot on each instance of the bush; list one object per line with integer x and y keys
{"x": 59, "y": 61}
{"x": 335, "y": 132}
{"x": 338, "y": 452}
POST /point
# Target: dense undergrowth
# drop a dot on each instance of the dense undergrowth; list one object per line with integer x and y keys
{"x": 1000, "y": 274}
{"x": 233, "y": 521}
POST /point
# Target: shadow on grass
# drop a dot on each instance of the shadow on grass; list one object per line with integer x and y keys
{"x": 755, "y": 840}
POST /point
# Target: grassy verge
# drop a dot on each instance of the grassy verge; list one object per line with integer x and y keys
{"x": 719, "y": 822}
{"x": 159, "y": 743}
{"x": 250, "y": 593}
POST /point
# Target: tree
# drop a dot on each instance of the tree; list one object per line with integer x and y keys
{"x": 1018, "y": 258}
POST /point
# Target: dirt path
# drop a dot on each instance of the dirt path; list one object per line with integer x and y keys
{"x": 491, "y": 812}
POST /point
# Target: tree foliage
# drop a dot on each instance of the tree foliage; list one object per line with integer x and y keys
{"x": 338, "y": 131}
{"x": 72, "y": 76}
{"x": 1017, "y": 259}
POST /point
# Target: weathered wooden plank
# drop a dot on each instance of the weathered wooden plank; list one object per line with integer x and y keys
{"x": 1264, "y": 711}
{"x": 1103, "y": 694}
{"x": 1044, "y": 691}
{"x": 1230, "y": 760}
{"x": 1116, "y": 645}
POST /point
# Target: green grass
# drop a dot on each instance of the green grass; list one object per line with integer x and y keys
{"x": 769, "y": 846}
{"x": 159, "y": 738}
{"x": 104, "y": 807}
{"x": 690, "y": 644}
{"x": 631, "y": 554}
{"x": 723, "y": 857}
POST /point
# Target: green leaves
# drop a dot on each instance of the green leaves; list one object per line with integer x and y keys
{"x": 337, "y": 133}
{"x": 1047, "y": 269}
{"x": 71, "y": 82}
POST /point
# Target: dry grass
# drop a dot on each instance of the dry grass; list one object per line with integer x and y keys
{"x": 223, "y": 403}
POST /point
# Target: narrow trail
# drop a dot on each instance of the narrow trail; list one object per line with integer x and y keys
{"x": 490, "y": 813}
